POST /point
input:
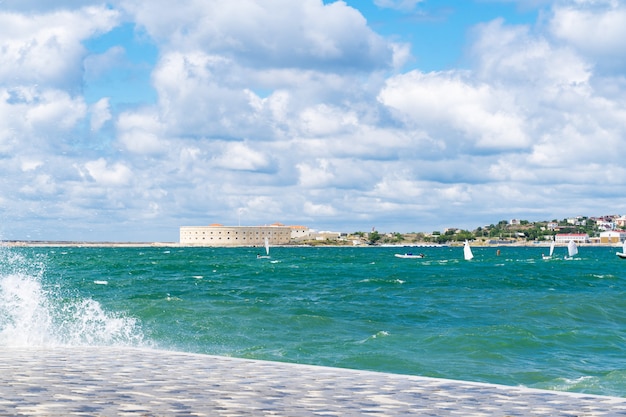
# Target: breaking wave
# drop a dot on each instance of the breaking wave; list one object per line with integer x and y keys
{"x": 33, "y": 314}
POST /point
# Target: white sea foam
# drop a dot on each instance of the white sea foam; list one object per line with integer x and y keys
{"x": 33, "y": 315}
{"x": 377, "y": 335}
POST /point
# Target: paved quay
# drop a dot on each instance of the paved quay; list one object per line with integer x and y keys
{"x": 138, "y": 382}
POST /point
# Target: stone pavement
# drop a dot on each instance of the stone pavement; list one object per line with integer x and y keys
{"x": 92, "y": 381}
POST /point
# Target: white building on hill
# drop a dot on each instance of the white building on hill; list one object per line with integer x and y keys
{"x": 564, "y": 238}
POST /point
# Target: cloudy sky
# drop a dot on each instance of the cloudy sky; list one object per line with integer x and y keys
{"x": 125, "y": 120}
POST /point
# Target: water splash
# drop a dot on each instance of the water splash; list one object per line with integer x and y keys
{"x": 32, "y": 314}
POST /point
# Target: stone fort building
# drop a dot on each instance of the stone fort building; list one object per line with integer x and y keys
{"x": 219, "y": 235}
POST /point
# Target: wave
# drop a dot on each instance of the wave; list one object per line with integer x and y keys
{"x": 33, "y": 314}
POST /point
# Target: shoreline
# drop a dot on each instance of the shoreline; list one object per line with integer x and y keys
{"x": 73, "y": 244}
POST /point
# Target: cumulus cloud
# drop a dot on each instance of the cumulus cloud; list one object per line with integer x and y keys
{"x": 40, "y": 185}
{"x": 103, "y": 174}
{"x": 100, "y": 113}
{"x": 44, "y": 5}
{"x": 513, "y": 55}
{"x": 196, "y": 99}
{"x": 239, "y": 156}
{"x": 139, "y": 132}
{"x": 319, "y": 175}
{"x": 35, "y": 119}
{"x": 298, "y": 111}
{"x": 323, "y": 120}
{"x": 318, "y": 210}
{"x": 278, "y": 33}
{"x": 478, "y": 114}
{"x": 597, "y": 30}
{"x": 46, "y": 48}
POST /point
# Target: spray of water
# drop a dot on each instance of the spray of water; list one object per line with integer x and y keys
{"x": 34, "y": 315}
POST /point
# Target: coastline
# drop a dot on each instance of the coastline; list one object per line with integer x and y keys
{"x": 93, "y": 244}
{"x": 77, "y": 244}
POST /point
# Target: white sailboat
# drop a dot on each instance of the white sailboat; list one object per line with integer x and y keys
{"x": 572, "y": 250}
{"x": 622, "y": 254}
{"x": 267, "y": 249}
{"x": 551, "y": 251}
{"x": 467, "y": 251}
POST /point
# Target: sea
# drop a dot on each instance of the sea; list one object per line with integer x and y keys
{"x": 506, "y": 317}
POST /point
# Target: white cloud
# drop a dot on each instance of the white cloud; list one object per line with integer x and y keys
{"x": 387, "y": 188}
{"x": 55, "y": 108}
{"x": 513, "y": 55}
{"x": 45, "y": 5}
{"x": 139, "y": 132}
{"x": 46, "y": 48}
{"x": 196, "y": 100}
{"x": 319, "y": 175}
{"x": 100, "y": 113}
{"x": 30, "y": 164}
{"x": 37, "y": 117}
{"x": 324, "y": 120}
{"x": 277, "y": 33}
{"x": 41, "y": 185}
{"x": 263, "y": 207}
{"x": 239, "y": 156}
{"x": 477, "y": 113}
{"x": 297, "y": 111}
{"x": 598, "y": 30}
{"x": 103, "y": 174}
{"x": 318, "y": 210}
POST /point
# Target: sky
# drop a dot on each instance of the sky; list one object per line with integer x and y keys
{"x": 124, "y": 120}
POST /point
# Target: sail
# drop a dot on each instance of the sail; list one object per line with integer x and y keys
{"x": 467, "y": 251}
{"x": 551, "y": 247}
{"x": 624, "y": 247}
{"x": 267, "y": 246}
{"x": 572, "y": 249}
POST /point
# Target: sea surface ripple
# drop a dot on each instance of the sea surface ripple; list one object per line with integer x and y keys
{"x": 509, "y": 318}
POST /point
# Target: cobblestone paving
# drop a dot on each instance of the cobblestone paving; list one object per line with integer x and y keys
{"x": 136, "y": 382}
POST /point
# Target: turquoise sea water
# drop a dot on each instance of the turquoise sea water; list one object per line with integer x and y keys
{"x": 512, "y": 319}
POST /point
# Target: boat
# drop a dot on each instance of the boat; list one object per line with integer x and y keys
{"x": 267, "y": 250}
{"x": 572, "y": 250}
{"x": 467, "y": 251}
{"x": 409, "y": 255}
{"x": 551, "y": 251}
{"x": 622, "y": 254}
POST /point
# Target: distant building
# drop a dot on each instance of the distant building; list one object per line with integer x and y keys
{"x": 325, "y": 235}
{"x": 577, "y": 221}
{"x": 620, "y": 221}
{"x": 300, "y": 232}
{"x": 613, "y": 236}
{"x": 230, "y": 236}
{"x": 576, "y": 237}
{"x": 605, "y": 225}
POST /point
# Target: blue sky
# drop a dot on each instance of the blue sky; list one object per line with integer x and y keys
{"x": 122, "y": 121}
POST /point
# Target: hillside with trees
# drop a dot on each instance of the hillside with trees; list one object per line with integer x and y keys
{"x": 504, "y": 231}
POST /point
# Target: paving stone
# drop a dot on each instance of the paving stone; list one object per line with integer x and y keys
{"x": 113, "y": 381}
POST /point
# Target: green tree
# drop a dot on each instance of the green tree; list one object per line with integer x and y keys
{"x": 374, "y": 237}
